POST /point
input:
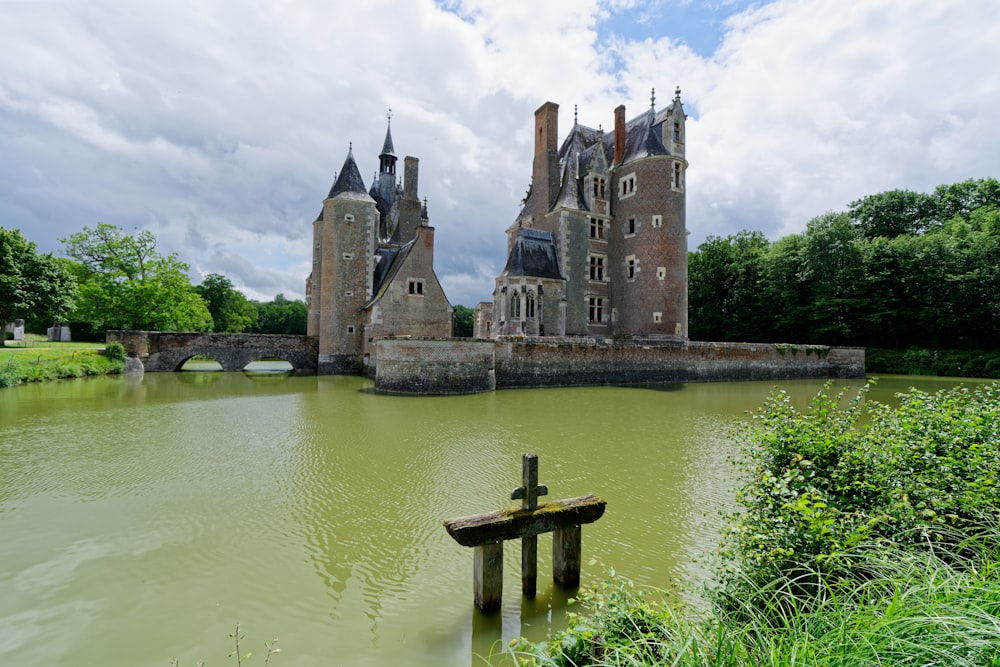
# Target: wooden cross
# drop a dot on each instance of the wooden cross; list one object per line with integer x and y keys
{"x": 528, "y": 494}
{"x": 486, "y": 533}
{"x": 530, "y": 490}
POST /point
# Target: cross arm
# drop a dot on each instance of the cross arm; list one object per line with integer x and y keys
{"x": 514, "y": 522}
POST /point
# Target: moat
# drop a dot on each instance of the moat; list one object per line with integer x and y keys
{"x": 144, "y": 516}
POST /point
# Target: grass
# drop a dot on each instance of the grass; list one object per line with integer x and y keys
{"x": 38, "y": 360}
{"x": 916, "y": 608}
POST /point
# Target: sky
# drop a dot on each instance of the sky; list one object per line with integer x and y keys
{"x": 219, "y": 125}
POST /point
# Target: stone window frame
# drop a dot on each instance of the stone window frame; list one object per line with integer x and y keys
{"x": 631, "y": 268}
{"x": 657, "y": 221}
{"x": 599, "y": 229}
{"x": 598, "y": 261}
{"x": 595, "y": 310}
{"x": 657, "y": 317}
{"x": 529, "y": 305}
{"x": 348, "y": 217}
{"x": 348, "y": 255}
{"x": 350, "y": 328}
{"x": 631, "y": 227}
{"x": 677, "y": 179}
{"x": 661, "y": 273}
{"x": 600, "y": 187}
{"x": 515, "y": 305}
{"x": 415, "y": 286}
{"x": 627, "y": 186}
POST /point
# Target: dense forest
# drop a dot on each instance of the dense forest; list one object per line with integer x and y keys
{"x": 898, "y": 269}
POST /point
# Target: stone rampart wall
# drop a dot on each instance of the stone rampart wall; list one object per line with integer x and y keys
{"x": 544, "y": 364}
{"x": 434, "y": 366}
{"x": 448, "y": 366}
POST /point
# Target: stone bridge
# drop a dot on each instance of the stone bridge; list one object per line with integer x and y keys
{"x": 167, "y": 351}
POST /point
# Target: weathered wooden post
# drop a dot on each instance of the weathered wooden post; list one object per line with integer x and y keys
{"x": 487, "y": 532}
{"x": 528, "y": 494}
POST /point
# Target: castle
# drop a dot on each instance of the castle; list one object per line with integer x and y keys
{"x": 599, "y": 248}
{"x": 373, "y": 265}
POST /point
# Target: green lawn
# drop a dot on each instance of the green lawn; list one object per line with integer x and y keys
{"x": 37, "y": 360}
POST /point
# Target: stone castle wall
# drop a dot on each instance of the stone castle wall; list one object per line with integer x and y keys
{"x": 447, "y": 366}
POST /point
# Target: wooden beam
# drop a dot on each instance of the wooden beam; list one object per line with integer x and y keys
{"x": 515, "y": 523}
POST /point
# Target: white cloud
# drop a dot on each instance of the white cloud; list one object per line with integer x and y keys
{"x": 219, "y": 124}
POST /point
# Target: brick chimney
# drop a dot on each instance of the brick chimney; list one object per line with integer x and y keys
{"x": 619, "y": 134}
{"x": 545, "y": 168}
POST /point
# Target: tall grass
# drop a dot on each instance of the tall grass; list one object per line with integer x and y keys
{"x": 915, "y": 608}
{"x": 869, "y": 536}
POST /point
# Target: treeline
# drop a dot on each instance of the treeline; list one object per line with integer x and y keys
{"x": 897, "y": 270}
{"x": 114, "y": 280}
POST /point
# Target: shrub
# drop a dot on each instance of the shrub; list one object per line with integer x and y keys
{"x": 115, "y": 352}
{"x": 842, "y": 473}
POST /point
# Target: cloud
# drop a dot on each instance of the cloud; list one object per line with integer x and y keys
{"x": 219, "y": 125}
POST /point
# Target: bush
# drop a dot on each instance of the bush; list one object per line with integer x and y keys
{"x": 115, "y": 352}
{"x": 843, "y": 473}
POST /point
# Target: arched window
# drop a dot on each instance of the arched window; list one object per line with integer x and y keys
{"x": 529, "y": 305}
{"x": 515, "y": 304}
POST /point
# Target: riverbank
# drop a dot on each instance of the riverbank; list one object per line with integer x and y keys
{"x": 925, "y": 361}
{"x": 856, "y": 545}
{"x": 37, "y": 360}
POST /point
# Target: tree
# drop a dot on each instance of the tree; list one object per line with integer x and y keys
{"x": 282, "y": 316}
{"x": 231, "y": 311}
{"x": 725, "y": 280}
{"x": 461, "y": 321}
{"x": 893, "y": 213}
{"x": 126, "y": 284}
{"x": 31, "y": 285}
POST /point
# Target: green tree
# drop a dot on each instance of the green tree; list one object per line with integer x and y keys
{"x": 282, "y": 316}
{"x": 126, "y": 284}
{"x": 461, "y": 321}
{"x": 231, "y": 311}
{"x": 725, "y": 279}
{"x": 893, "y": 213}
{"x": 31, "y": 284}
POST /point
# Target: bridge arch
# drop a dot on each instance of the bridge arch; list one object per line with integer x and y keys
{"x": 168, "y": 351}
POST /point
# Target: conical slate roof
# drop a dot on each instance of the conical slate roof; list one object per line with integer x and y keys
{"x": 349, "y": 179}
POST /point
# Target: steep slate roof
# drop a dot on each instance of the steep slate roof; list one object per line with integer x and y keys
{"x": 533, "y": 254}
{"x": 349, "y": 180}
{"x": 391, "y": 258}
{"x": 387, "y": 148}
{"x": 571, "y": 191}
{"x": 642, "y": 138}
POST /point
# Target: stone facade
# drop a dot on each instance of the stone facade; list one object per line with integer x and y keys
{"x": 373, "y": 266}
{"x": 614, "y": 212}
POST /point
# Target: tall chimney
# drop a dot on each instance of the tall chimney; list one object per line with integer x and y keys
{"x": 619, "y": 134}
{"x": 410, "y": 167}
{"x": 546, "y": 162}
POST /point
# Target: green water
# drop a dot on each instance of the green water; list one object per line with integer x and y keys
{"x": 141, "y": 518}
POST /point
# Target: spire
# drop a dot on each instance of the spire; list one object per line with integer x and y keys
{"x": 424, "y": 219}
{"x": 349, "y": 179}
{"x": 677, "y": 94}
{"x": 387, "y": 158}
{"x": 652, "y": 99}
{"x": 575, "y": 120}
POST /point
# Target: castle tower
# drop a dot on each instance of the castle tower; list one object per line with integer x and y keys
{"x": 343, "y": 262}
{"x": 649, "y": 245}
